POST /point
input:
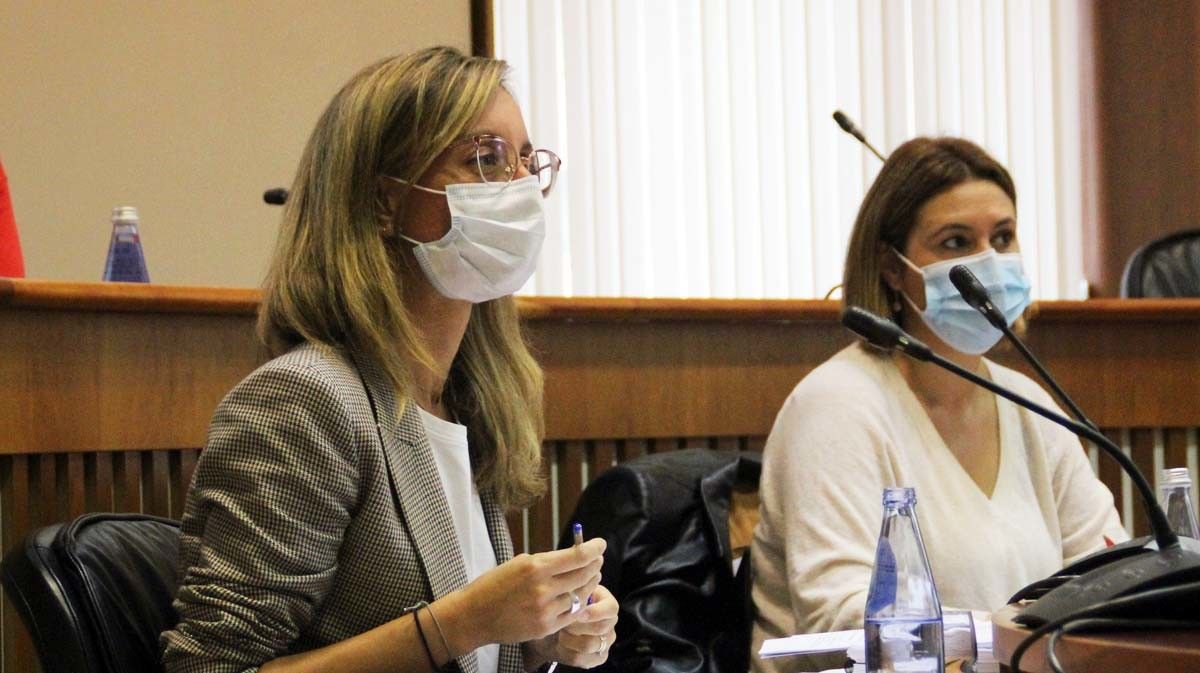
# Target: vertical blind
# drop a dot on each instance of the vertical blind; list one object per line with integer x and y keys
{"x": 700, "y": 157}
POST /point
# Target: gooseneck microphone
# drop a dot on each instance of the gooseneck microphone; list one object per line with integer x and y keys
{"x": 276, "y": 197}
{"x": 975, "y": 294}
{"x": 1167, "y": 566}
{"x": 849, "y": 127}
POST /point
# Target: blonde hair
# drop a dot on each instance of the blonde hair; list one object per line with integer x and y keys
{"x": 915, "y": 172}
{"x": 334, "y": 279}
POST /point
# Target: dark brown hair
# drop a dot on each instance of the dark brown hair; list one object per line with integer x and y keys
{"x": 916, "y": 171}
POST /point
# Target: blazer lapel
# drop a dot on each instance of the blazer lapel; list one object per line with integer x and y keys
{"x": 418, "y": 485}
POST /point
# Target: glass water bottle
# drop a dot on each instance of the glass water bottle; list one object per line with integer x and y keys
{"x": 125, "y": 262}
{"x": 1175, "y": 496}
{"x": 903, "y": 624}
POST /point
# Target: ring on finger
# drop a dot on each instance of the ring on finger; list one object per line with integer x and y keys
{"x": 603, "y": 644}
{"x": 575, "y": 602}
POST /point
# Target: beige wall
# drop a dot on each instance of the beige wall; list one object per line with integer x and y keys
{"x": 187, "y": 110}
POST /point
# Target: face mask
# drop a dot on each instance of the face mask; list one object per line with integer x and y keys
{"x": 951, "y": 318}
{"x": 493, "y": 243}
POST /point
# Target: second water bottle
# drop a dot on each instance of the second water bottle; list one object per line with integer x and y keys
{"x": 903, "y": 625}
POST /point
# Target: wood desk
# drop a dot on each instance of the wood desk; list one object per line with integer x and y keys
{"x": 1117, "y": 652}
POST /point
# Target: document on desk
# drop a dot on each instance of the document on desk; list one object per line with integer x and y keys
{"x": 812, "y": 643}
{"x": 851, "y": 644}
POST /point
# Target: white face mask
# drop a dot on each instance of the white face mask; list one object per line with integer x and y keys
{"x": 492, "y": 247}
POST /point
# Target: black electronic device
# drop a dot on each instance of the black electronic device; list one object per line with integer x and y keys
{"x": 276, "y": 197}
{"x": 1167, "y": 564}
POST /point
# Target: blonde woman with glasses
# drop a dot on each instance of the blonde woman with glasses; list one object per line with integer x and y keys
{"x": 348, "y": 510}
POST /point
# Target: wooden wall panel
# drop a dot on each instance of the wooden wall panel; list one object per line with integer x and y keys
{"x": 1144, "y": 107}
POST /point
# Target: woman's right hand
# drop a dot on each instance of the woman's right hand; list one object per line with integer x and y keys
{"x": 530, "y": 596}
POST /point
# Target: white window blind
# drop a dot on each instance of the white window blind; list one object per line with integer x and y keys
{"x": 700, "y": 157}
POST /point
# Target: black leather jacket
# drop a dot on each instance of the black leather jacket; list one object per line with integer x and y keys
{"x": 665, "y": 517}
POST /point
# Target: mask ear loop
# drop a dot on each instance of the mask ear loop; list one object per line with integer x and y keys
{"x": 894, "y": 296}
{"x": 411, "y": 185}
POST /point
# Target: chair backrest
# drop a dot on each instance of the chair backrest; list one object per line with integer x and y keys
{"x": 95, "y": 593}
{"x": 665, "y": 517}
{"x": 1166, "y": 267}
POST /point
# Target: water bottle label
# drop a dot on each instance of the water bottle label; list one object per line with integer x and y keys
{"x": 883, "y": 580}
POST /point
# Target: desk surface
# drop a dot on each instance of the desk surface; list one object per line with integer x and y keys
{"x": 1117, "y": 652}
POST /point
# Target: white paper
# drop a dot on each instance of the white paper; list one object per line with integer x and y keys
{"x": 811, "y": 643}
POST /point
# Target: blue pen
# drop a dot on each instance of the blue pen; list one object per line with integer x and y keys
{"x": 577, "y": 534}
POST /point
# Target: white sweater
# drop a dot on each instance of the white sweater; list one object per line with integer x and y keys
{"x": 853, "y": 427}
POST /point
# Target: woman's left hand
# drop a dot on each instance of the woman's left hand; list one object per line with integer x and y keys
{"x": 585, "y": 642}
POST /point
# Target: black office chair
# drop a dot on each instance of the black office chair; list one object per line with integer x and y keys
{"x": 96, "y": 592}
{"x": 1166, "y": 267}
{"x": 665, "y": 517}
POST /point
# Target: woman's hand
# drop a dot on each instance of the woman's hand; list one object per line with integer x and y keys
{"x": 585, "y": 643}
{"x": 530, "y": 596}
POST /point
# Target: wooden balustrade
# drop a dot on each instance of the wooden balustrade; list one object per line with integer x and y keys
{"x": 106, "y": 389}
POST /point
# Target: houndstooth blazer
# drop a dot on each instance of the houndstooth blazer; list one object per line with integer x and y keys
{"x": 302, "y": 528}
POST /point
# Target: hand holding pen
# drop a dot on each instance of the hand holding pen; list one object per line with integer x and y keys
{"x": 577, "y": 534}
{"x": 576, "y": 604}
{"x": 527, "y": 598}
{"x": 586, "y": 642}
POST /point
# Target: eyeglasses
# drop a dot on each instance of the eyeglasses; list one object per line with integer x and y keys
{"x": 499, "y": 161}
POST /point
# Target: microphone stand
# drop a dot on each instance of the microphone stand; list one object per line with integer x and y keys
{"x": 849, "y": 127}
{"x": 976, "y": 295}
{"x": 1170, "y": 565}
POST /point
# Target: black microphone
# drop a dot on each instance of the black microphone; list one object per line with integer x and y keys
{"x": 849, "y": 127}
{"x": 975, "y": 294}
{"x": 276, "y": 197}
{"x": 882, "y": 333}
{"x": 1169, "y": 565}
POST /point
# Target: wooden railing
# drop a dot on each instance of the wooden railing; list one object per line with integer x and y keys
{"x": 106, "y": 389}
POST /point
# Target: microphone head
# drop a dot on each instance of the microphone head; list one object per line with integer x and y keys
{"x": 877, "y": 331}
{"x": 276, "y": 197}
{"x": 883, "y": 333}
{"x": 975, "y": 294}
{"x": 844, "y": 121}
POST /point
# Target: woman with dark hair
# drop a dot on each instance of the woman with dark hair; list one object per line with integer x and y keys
{"x": 1005, "y": 496}
{"x": 348, "y": 510}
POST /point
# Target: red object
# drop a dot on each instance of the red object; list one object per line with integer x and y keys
{"x": 12, "y": 264}
{"x": 1108, "y": 541}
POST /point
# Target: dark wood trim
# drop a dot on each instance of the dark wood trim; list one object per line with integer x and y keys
{"x": 482, "y": 42}
{"x": 126, "y": 297}
{"x": 146, "y": 298}
{"x": 629, "y": 309}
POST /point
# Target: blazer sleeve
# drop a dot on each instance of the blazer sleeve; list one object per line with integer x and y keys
{"x": 272, "y": 494}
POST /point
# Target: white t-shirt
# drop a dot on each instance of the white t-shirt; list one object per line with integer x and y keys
{"x": 449, "y": 443}
{"x": 853, "y": 427}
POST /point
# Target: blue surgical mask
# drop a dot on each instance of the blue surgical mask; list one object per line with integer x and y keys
{"x": 951, "y": 318}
